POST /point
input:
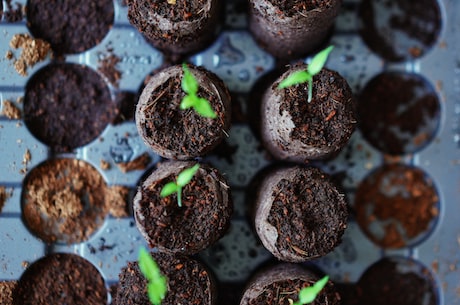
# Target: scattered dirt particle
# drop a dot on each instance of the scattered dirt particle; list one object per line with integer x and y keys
{"x": 4, "y": 196}
{"x": 25, "y": 264}
{"x": 25, "y": 161}
{"x": 435, "y": 266}
{"x": 6, "y": 292}
{"x": 108, "y": 67}
{"x": 139, "y": 163}
{"x": 105, "y": 165}
{"x": 33, "y": 51}
{"x": 117, "y": 201}
{"x": 27, "y": 157}
{"x": 11, "y": 111}
{"x": 9, "y": 55}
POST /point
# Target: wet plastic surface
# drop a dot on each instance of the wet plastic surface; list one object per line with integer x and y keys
{"x": 235, "y": 57}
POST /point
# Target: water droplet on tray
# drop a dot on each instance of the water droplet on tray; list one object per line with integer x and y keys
{"x": 227, "y": 54}
{"x": 244, "y": 75}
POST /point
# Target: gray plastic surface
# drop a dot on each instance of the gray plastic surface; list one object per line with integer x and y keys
{"x": 235, "y": 57}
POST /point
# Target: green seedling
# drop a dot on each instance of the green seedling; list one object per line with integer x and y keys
{"x": 182, "y": 180}
{"x": 157, "y": 286}
{"x": 302, "y": 76}
{"x": 308, "y": 294}
{"x": 191, "y": 99}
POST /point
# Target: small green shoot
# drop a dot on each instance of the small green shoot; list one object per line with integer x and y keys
{"x": 156, "y": 282}
{"x": 308, "y": 294}
{"x": 182, "y": 180}
{"x": 191, "y": 100}
{"x": 299, "y": 77}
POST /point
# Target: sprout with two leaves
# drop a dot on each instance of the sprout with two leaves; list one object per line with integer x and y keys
{"x": 182, "y": 180}
{"x": 302, "y": 76}
{"x": 191, "y": 100}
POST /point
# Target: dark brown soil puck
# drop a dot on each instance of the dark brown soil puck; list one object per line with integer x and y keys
{"x": 297, "y": 130}
{"x": 189, "y": 282}
{"x": 397, "y": 206}
{"x": 397, "y": 281}
{"x": 291, "y": 29}
{"x": 179, "y": 27}
{"x": 300, "y": 214}
{"x": 399, "y": 112}
{"x": 399, "y": 30}
{"x": 61, "y": 278}
{"x": 64, "y": 200}
{"x": 70, "y": 26}
{"x": 174, "y": 133}
{"x": 281, "y": 284}
{"x": 202, "y": 219}
{"x": 67, "y": 106}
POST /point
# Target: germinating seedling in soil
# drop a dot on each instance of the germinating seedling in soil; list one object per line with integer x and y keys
{"x": 308, "y": 294}
{"x": 191, "y": 99}
{"x": 302, "y": 76}
{"x": 156, "y": 281}
{"x": 182, "y": 180}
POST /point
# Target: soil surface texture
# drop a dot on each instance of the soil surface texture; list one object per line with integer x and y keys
{"x": 188, "y": 282}
{"x": 67, "y": 106}
{"x": 70, "y": 26}
{"x": 61, "y": 279}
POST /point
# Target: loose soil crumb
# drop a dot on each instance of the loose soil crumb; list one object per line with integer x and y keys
{"x": 27, "y": 157}
{"x": 11, "y": 111}
{"x": 25, "y": 161}
{"x": 139, "y": 163}
{"x": 9, "y": 55}
{"x": 6, "y": 292}
{"x": 108, "y": 67}
{"x": 4, "y": 196}
{"x": 33, "y": 51}
{"x": 117, "y": 201}
{"x": 105, "y": 165}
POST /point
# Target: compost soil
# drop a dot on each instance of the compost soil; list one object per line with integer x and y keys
{"x": 407, "y": 30}
{"x": 307, "y": 214}
{"x": 188, "y": 282}
{"x": 324, "y": 121}
{"x": 398, "y": 112}
{"x": 402, "y": 198}
{"x": 70, "y": 26}
{"x": 61, "y": 279}
{"x": 390, "y": 282}
{"x": 202, "y": 219}
{"x": 67, "y": 106}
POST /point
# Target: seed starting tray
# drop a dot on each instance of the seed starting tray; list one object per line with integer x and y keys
{"x": 236, "y": 58}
